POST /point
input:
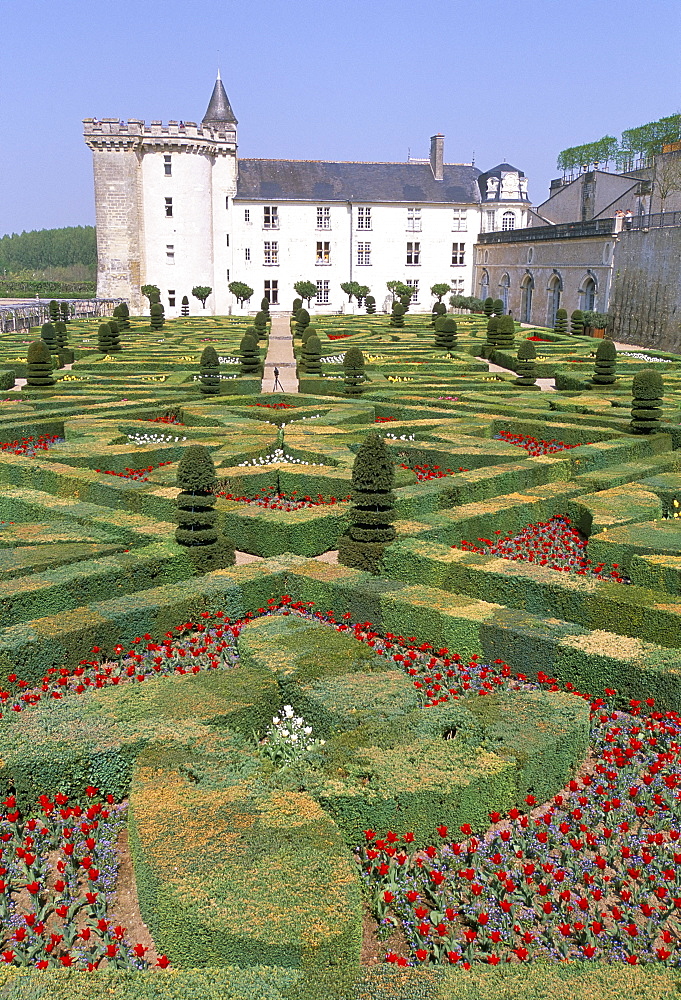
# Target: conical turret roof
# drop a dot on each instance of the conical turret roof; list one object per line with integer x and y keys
{"x": 219, "y": 111}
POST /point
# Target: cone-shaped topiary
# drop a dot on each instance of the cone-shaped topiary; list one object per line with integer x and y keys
{"x": 265, "y": 306}
{"x": 505, "y": 335}
{"x": 196, "y": 517}
{"x": 397, "y": 315}
{"x": 122, "y": 316}
{"x": 250, "y": 356}
{"x": 54, "y": 310}
{"x": 302, "y": 321}
{"x": 370, "y": 303}
{"x": 373, "y": 507}
{"x": 526, "y": 366}
{"x": 577, "y": 323}
{"x": 157, "y": 316}
{"x": 210, "y": 372}
{"x": 312, "y": 353}
{"x": 39, "y": 366}
{"x": 65, "y": 311}
{"x": 61, "y": 334}
{"x": 49, "y": 335}
{"x": 561, "y": 324}
{"x": 260, "y": 324}
{"x": 405, "y": 301}
{"x": 445, "y": 333}
{"x": 439, "y": 309}
{"x": 646, "y": 405}
{"x": 115, "y": 335}
{"x": 104, "y": 338}
{"x": 488, "y": 306}
{"x": 606, "y": 363}
{"x": 185, "y": 305}
{"x": 297, "y": 304}
{"x": 353, "y": 365}
{"x": 492, "y": 327}
{"x": 498, "y": 307}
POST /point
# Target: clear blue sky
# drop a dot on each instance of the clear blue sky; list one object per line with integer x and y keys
{"x": 514, "y": 80}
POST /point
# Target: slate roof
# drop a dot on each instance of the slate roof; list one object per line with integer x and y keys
{"x": 501, "y": 168}
{"x": 320, "y": 180}
{"x": 219, "y": 109}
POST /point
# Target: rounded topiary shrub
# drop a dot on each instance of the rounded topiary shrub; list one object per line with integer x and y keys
{"x": 498, "y": 307}
{"x": 185, "y": 305}
{"x": 646, "y": 405}
{"x": 492, "y": 327}
{"x": 196, "y": 517}
{"x": 488, "y": 306}
{"x": 561, "y": 324}
{"x": 265, "y": 305}
{"x": 157, "y": 316}
{"x": 54, "y": 311}
{"x": 309, "y": 331}
{"x": 49, "y": 335}
{"x": 370, "y": 303}
{"x": 606, "y": 363}
{"x": 577, "y": 323}
{"x": 260, "y": 324}
{"x": 302, "y": 321}
{"x": 61, "y": 334}
{"x": 250, "y": 356}
{"x": 445, "y": 333}
{"x": 209, "y": 382}
{"x": 104, "y": 338}
{"x": 353, "y": 366}
{"x": 39, "y": 366}
{"x": 505, "y": 333}
{"x": 397, "y": 315}
{"x": 312, "y": 353}
{"x": 65, "y": 311}
{"x": 373, "y": 507}
{"x": 115, "y": 335}
{"x": 526, "y": 366}
{"x": 297, "y": 304}
{"x": 439, "y": 309}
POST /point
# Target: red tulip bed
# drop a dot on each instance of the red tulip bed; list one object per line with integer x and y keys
{"x": 136, "y": 475}
{"x": 535, "y": 446}
{"x": 30, "y": 446}
{"x": 554, "y": 544}
{"x": 427, "y": 472}
{"x": 540, "y": 340}
{"x": 280, "y": 501}
{"x": 338, "y": 336}
{"x": 594, "y": 873}
{"x": 274, "y": 406}
{"x": 384, "y": 420}
{"x": 167, "y": 418}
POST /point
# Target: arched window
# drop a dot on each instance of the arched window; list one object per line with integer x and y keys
{"x": 587, "y": 295}
{"x": 508, "y": 221}
{"x": 484, "y": 285}
{"x": 504, "y": 286}
{"x": 526, "y": 289}
{"x": 555, "y": 288}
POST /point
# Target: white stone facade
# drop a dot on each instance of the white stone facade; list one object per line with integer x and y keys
{"x": 176, "y": 208}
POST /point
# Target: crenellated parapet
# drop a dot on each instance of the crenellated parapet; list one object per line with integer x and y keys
{"x": 136, "y": 135}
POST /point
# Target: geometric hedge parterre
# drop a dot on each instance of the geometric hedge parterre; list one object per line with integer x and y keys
{"x": 241, "y": 865}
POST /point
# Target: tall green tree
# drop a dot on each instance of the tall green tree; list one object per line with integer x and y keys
{"x": 240, "y": 290}
{"x": 307, "y": 290}
{"x": 373, "y": 507}
{"x": 201, "y": 292}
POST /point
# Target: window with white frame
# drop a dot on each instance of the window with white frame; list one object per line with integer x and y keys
{"x": 247, "y": 215}
{"x": 271, "y": 252}
{"x": 323, "y": 293}
{"x": 413, "y": 253}
{"x": 272, "y": 292}
{"x": 323, "y": 217}
{"x": 363, "y": 218}
{"x": 413, "y": 283}
{"x": 508, "y": 221}
{"x": 323, "y": 253}
{"x": 270, "y": 217}
{"x": 458, "y": 285}
{"x": 458, "y": 253}
{"x": 459, "y": 220}
{"x": 169, "y": 208}
{"x": 414, "y": 220}
{"x": 170, "y": 253}
{"x": 489, "y": 225}
{"x": 167, "y": 165}
{"x": 171, "y": 297}
{"x": 364, "y": 253}
{"x": 247, "y": 253}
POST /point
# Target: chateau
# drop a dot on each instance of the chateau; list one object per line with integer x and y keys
{"x": 177, "y": 207}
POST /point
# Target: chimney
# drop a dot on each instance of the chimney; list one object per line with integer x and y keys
{"x": 437, "y": 156}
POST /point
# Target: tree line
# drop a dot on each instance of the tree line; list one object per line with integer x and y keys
{"x": 43, "y": 248}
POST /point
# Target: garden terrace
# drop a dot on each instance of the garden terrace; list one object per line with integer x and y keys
{"x": 89, "y": 558}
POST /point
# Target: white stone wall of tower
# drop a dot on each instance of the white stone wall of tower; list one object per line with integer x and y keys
{"x": 178, "y": 249}
{"x": 224, "y": 222}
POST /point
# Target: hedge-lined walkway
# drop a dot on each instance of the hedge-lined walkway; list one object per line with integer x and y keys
{"x": 280, "y": 355}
